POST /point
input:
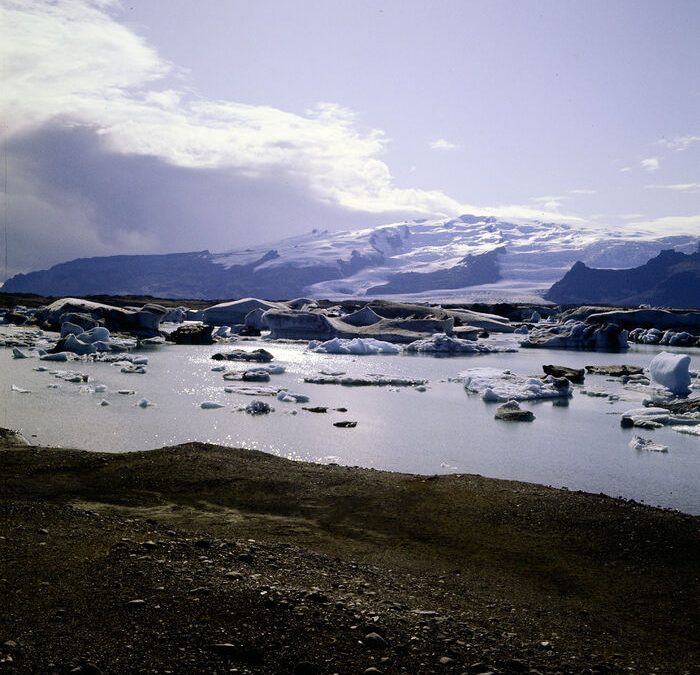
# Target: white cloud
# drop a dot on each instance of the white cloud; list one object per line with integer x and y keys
{"x": 70, "y": 63}
{"x": 549, "y": 202}
{"x": 670, "y": 225}
{"x": 680, "y": 143}
{"x": 443, "y": 144}
{"x": 650, "y": 163}
{"x": 677, "y": 187}
{"x": 582, "y": 192}
{"x": 625, "y": 169}
{"x": 631, "y": 216}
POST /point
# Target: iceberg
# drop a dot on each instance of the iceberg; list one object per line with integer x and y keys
{"x": 356, "y": 346}
{"x": 639, "y": 443}
{"x": 502, "y": 385}
{"x": 440, "y": 343}
{"x": 671, "y": 371}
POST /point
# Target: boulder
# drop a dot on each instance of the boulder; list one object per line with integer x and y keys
{"x": 577, "y": 335}
{"x": 293, "y": 325}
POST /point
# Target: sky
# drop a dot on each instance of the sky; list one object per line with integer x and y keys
{"x": 146, "y": 126}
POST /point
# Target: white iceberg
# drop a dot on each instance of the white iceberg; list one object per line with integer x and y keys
{"x": 502, "y": 385}
{"x": 440, "y": 343}
{"x": 356, "y": 346}
{"x": 671, "y": 371}
{"x": 291, "y": 397}
{"x": 639, "y": 443}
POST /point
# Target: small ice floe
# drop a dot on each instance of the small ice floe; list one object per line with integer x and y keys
{"x": 291, "y": 397}
{"x": 690, "y": 431}
{"x": 345, "y": 424}
{"x": 252, "y": 391}
{"x": 53, "y": 385}
{"x": 100, "y": 388}
{"x": 57, "y": 356}
{"x": 671, "y": 371}
{"x": 332, "y": 373}
{"x": 357, "y": 346}
{"x": 144, "y": 403}
{"x": 18, "y": 353}
{"x": 255, "y": 375}
{"x": 133, "y": 369}
{"x": 366, "y": 381}
{"x": 19, "y": 390}
{"x": 421, "y": 388}
{"x": 218, "y": 369}
{"x": 152, "y": 342}
{"x": 654, "y": 417}
{"x": 502, "y": 385}
{"x": 440, "y": 343}
{"x": 512, "y": 412}
{"x": 258, "y": 408}
{"x": 104, "y": 402}
{"x": 126, "y": 392}
{"x": 210, "y": 405}
{"x": 41, "y": 369}
{"x": 639, "y": 443}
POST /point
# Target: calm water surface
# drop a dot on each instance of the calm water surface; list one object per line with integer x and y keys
{"x": 442, "y": 430}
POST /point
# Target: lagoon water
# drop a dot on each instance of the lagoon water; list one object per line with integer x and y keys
{"x": 442, "y": 430}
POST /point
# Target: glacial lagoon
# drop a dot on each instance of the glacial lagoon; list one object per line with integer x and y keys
{"x": 443, "y": 429}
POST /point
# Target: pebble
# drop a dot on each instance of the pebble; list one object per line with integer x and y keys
{"x": 375, "y": 641}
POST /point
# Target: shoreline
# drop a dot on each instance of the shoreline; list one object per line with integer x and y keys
{"x": 609, "y": 585}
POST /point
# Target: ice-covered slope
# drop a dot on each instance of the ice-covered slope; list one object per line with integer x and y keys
{"x": 468, "y": 257}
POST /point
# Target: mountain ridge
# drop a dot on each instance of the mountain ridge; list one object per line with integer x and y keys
{"x": 450, "y": 258}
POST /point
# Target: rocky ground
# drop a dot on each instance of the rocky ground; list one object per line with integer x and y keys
{"x": 202, "y": 559}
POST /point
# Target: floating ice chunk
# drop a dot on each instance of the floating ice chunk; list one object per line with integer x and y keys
{"x": 210, "y": 405}
{"x": 100, "y": 388}
{"x": 53, "y": 385}
{"x": 291, "y": 397}
{"x": 440, "y": 343}
{"x": 502, "y": 385}
{"x": 671, "y": 371}
{"x": 357, "y": 346}
{"x": 639, "y": 443}
{"x": 104, "y": 402}
{"x": 138, "y": 370}
{"x": 258, "y": 408}
{"x": 252, "y": 391}
{"x": 144, "y": 403}
{"x": 68, "y": 328}
{"x": 97, "y": 334}
{"x": 366, "y": 381}
{"x": 74, "y": 344}
{"x": 17, "y": 353}
{"x": 512, "y": 412}
{"x": 218, "y": 369}
{"x": 691, "y": 431}
{"x": 57, "y": 356}
{"x": 19, "y": 390}
{"x": 126, "y": 392}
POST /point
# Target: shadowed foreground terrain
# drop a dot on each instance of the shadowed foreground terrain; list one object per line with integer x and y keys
{"x": 203, "y": 559}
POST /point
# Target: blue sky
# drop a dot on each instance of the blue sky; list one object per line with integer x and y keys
{"x": 148, "y": 126}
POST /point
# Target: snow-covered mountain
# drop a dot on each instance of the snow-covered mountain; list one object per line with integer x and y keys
{"x": 467, "y": 258}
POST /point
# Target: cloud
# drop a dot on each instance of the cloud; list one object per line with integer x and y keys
{"x": 549, "y": 202}
{"x": 631, "y": 216}
{"x": 625, "y": 169}
{"x": 679, "y": 143}
{"x": 582, "y": 192}
{"x": 677, "y": 187}
{"x": 670, "y": 225}
{"x": 650, "y": 163}
{"x": 111, "y": 151}
{"x": 443, "y": 144}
